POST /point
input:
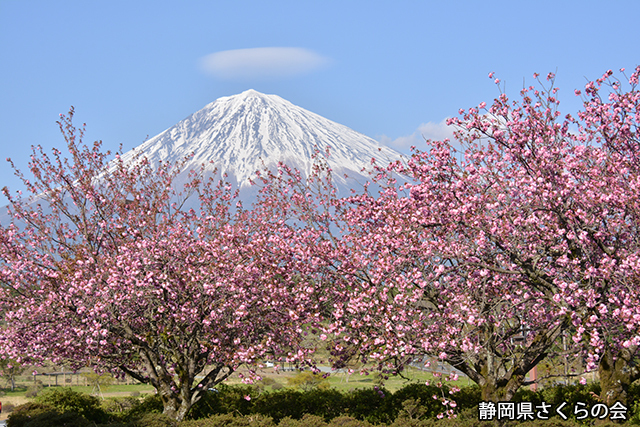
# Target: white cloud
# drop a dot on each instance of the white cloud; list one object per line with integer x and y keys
{"x": 263, "y": 62}
{"x": 430, "y": 130}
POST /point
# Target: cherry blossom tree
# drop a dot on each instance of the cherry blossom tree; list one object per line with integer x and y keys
{"x": 610, "y": 119}
{"x": 485, "y": 260}
{"x": 104, "y": 267}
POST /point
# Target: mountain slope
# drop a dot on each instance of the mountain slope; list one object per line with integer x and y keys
{"x": 245, "y": 133}
{"x": 238, "y": 133}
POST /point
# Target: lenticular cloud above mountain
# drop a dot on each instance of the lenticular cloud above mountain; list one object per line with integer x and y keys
{"x": 244, "y": 133}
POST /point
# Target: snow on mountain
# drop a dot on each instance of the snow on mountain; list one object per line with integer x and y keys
{"x": 245, "y": 133}
{"x": 242, "y": 134}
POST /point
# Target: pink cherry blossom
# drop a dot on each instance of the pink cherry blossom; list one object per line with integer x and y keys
{"x": 486, "y": 261}
{"x": 112, "y": 274}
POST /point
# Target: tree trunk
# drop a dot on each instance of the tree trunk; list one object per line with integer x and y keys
{"x": 497, "y": 384}
{"x": 176, "y": 408}
{"x": 617, "y": 371}
{"x": 176, "y": 391}
{"x": 500, "y": 390}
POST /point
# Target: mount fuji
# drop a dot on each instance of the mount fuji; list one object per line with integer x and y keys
{"x": 244, "y": 133}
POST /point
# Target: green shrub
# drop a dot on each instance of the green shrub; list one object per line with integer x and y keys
{"x": 116, "y": 424}
{"x": 526, "y": 395}
{"x": 38, "y": 414}
{"x": 208, "y": 405}
{"x": 119, "y": 404}
{"x": 151, "y": 404}
{"x": 218, "y": 420}
{"x": 468, "y": 398}
{"x": 156, "y": 420}
{"x": 633, "y": 403}
{"x": 346, "y": 421}
{"x": 258, "y": 420}
{"x": 309, "y": 420}
{"x": 467, "y": 414}
{"x": 408, "y": 422}
{"x": 65, "y": 400}
{"x": 56, "y": 419}
{"x": 412, "y": 409}
{"x": 374, "y": 405}
{"x": 327, "y": 404}
{"x": 281, "y": 404}
{"x": 634, "y": 392}
{"x": 237, "y": 399}
{"x": 289, "y": 422}
{"x": 411, "y": 406}
{"x": 24, "y": 413}
{"x": 424, "y": 394}
{"x": 554, "y": 422}
{"x": 634, "y": 413}
{"x": 229, "y": 420}
{"x": 571, "y": 394}
{"x": 225, "y": 400}
{"x": 295, "y": 404}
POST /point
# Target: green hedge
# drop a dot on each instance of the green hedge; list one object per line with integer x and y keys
{"x": 375, "y": 405}
{"x": 238, "y": 405}
{"x": 381, "y": 406}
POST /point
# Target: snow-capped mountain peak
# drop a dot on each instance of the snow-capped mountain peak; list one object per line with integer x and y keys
{"x": 242, "y": 134}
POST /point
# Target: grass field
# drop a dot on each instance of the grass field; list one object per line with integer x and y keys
{"x": 339, "y": 381}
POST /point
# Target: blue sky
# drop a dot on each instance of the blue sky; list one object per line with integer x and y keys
{"x": 391, "y": 70}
